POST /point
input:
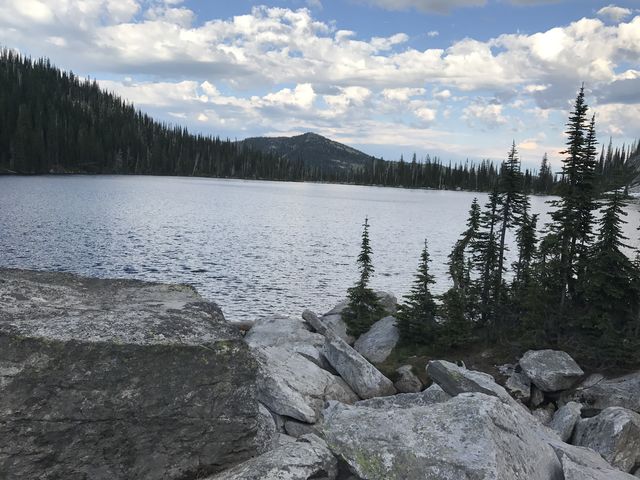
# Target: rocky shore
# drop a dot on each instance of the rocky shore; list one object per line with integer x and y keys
{"x": 114, "y": 379}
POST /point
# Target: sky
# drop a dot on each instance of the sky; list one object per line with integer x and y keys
{"x": 454, "y": 78}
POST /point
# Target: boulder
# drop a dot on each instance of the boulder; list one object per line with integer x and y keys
{"x": 407, "y": 382}
{"x": 306, "y": 458}
{"x": 267, "y": 433}
{"x": 376, "y": 344}
{"x": 120, "y": 379}
{"x": 565, "y": 419}
{"x": 537, "y": 397}
{"x": 519, "y": 385}
{"x": 550, "y": 370}
{"x": 455, "y": 380}
{"x": 430, "y": 396}
{"x": 290, "y": 384}
{"x": 601, "y": 393}
{"x": 579, "y": 463}
{"x": 360, "y": 375}
{"x": 298, "y": 429}
{"x": 290, "y": 333}
{"x": 470, "y": 436}
{"x": 388, "y": 301}
{"x": 614, "y": 434}
{"x": 544, "y": 414}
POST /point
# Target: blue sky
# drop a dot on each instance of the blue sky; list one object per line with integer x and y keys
{"x": 454, "y": 78}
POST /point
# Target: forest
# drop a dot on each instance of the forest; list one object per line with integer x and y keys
{"x": 54, "y": 122}
{"x": 572, "y": 287}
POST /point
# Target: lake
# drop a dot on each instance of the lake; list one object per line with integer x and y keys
{"x": 253, "y": 247}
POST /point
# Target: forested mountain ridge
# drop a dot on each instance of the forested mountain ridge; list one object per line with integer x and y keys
{"x": 313, "y": 149}
{"x": 54, "y": 122}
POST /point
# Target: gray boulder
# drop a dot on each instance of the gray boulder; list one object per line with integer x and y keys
{"x": 307, "y": 458}
{"x": 470, "y": 436}
{"x": 579, "y": 463}
{"x": 356, "y": 371}
{"x": 519, "y": 385}
{"x": 537, "y": 397}
{"x": 290, "y": 384}
{"x": 377, "y": 344}
{"x": 298, "y": 429}
{"x": 565, "y": 419}
{"x": 550, "y": 370}
{"x": 287, "y": 332}
{"x": 455, "y": 380}
{"x": 120, "y": 379}
{"x": 544, "y": 414}
{"x": 601, "y": 393}
{"x": 408, "y": 382}
{"x": 614, "y": 434}
{"x": 431, "y": 395}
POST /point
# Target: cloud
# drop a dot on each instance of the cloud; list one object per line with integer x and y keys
{"x": 483, "y": 115}
{"x": 614, "y": 13}
{"x": 427, "y": 6}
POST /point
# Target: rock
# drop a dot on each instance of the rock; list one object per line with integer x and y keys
{"x": 287, "y": 332}
{"x": 537, "y": 397}
{"x": 244, "y": 325}
{"x": 598, "y": 392}
{"x": 470, "y": 436}
{"x": 455, "y": 380}
{"x": 544, "y": 414}
{"x": 614, "y": 434}
{"x": 573, "y": 471}
{"x": 314, "y": 321}
{"x": 291, "y": 385}
{"x": 550, "y": 370}
{"x": 430, "y": 396}
{"x": 581, "y": 463}
{"x": 388, "y": 301}
{"x": 306, "y": 458}
{"x": 565, "y": 419}
{"x": 354, "y": 369}
{"x": 267, "y": 433}
{"x": 376, "y": 344}
{"x": 120, "y": 379}
{"x": 408, "y": 381}
{"x": 298, "y": 429}
{"x": 519, "y": 385}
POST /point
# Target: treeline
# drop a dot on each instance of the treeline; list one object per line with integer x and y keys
{"x": 572, "y": 285}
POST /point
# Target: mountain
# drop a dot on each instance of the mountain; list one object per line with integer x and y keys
{"x": 315, "y": 150}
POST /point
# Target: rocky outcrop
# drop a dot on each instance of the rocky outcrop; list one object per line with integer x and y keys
{"x": 356, "y": 371}
{"x": 519, "y": 385}
{"x": 550, "y": 370}
{"x": 614, "y": 434}
{"x": 565, "y": 419}
{"x": 377, "y": 344}
{"x": 305, "y": 459}
{"x": 116, "y": 379}
{"x": 407, "y": 382}
{"x": 289, "y": 384}
{"x": 455, "y": 380}
{"x": 470, "y": 436}
{"x": 579, "y": 463}
{"x": 600, "y": 393}
{"x": 433, "y": 394}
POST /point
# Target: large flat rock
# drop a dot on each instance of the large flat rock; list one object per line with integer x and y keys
{"x": 118, "y": 379}
{"x": 550, "y": 370}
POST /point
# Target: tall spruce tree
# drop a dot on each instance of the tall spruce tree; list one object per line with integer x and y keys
{"x": 545, "y": 177}
{"x": 364, "y": 308}
{"x": 610, "y": 288}
{"x": 417, "y": 315}
{"x": 526, "y": 240}
{"x": 484, "y": 254}
{"x": 510, "y": 206}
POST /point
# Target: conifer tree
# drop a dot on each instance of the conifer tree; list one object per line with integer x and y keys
{"x": 417, "y": 315}
{"x": 545, "y": 177}
{"x": 526, "y": 239}
{"x": 364, "y": 308}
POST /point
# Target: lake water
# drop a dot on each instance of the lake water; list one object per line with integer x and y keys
{"x": 255, "y": 248}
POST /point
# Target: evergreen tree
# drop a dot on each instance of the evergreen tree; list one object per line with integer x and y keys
{"x": 364, "y": 308}
{"x": 545, "y": 177}
{"x": 526, "y": 239}
{"x": 417, "y": 316}
{"x": 610, "y": 289}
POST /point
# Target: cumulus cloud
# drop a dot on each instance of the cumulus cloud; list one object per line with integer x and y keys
{"x": 484, "y": 115}
{"x": 614, "y": 13}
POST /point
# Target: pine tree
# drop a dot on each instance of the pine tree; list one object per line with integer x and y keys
{"x": 417, "y": 315}
{"x": 526, "y": 240}
{"x": 484, "y": 253}
{"x": 510, "y": 205}
{"x": 545, "y": 177}
{"x": 363, "y": 309}
{"x": 610, "y": 289}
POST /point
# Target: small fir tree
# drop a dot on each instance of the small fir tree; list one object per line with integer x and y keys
{"x": 417, "y": 316}
{"x": 364, "y": 308}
